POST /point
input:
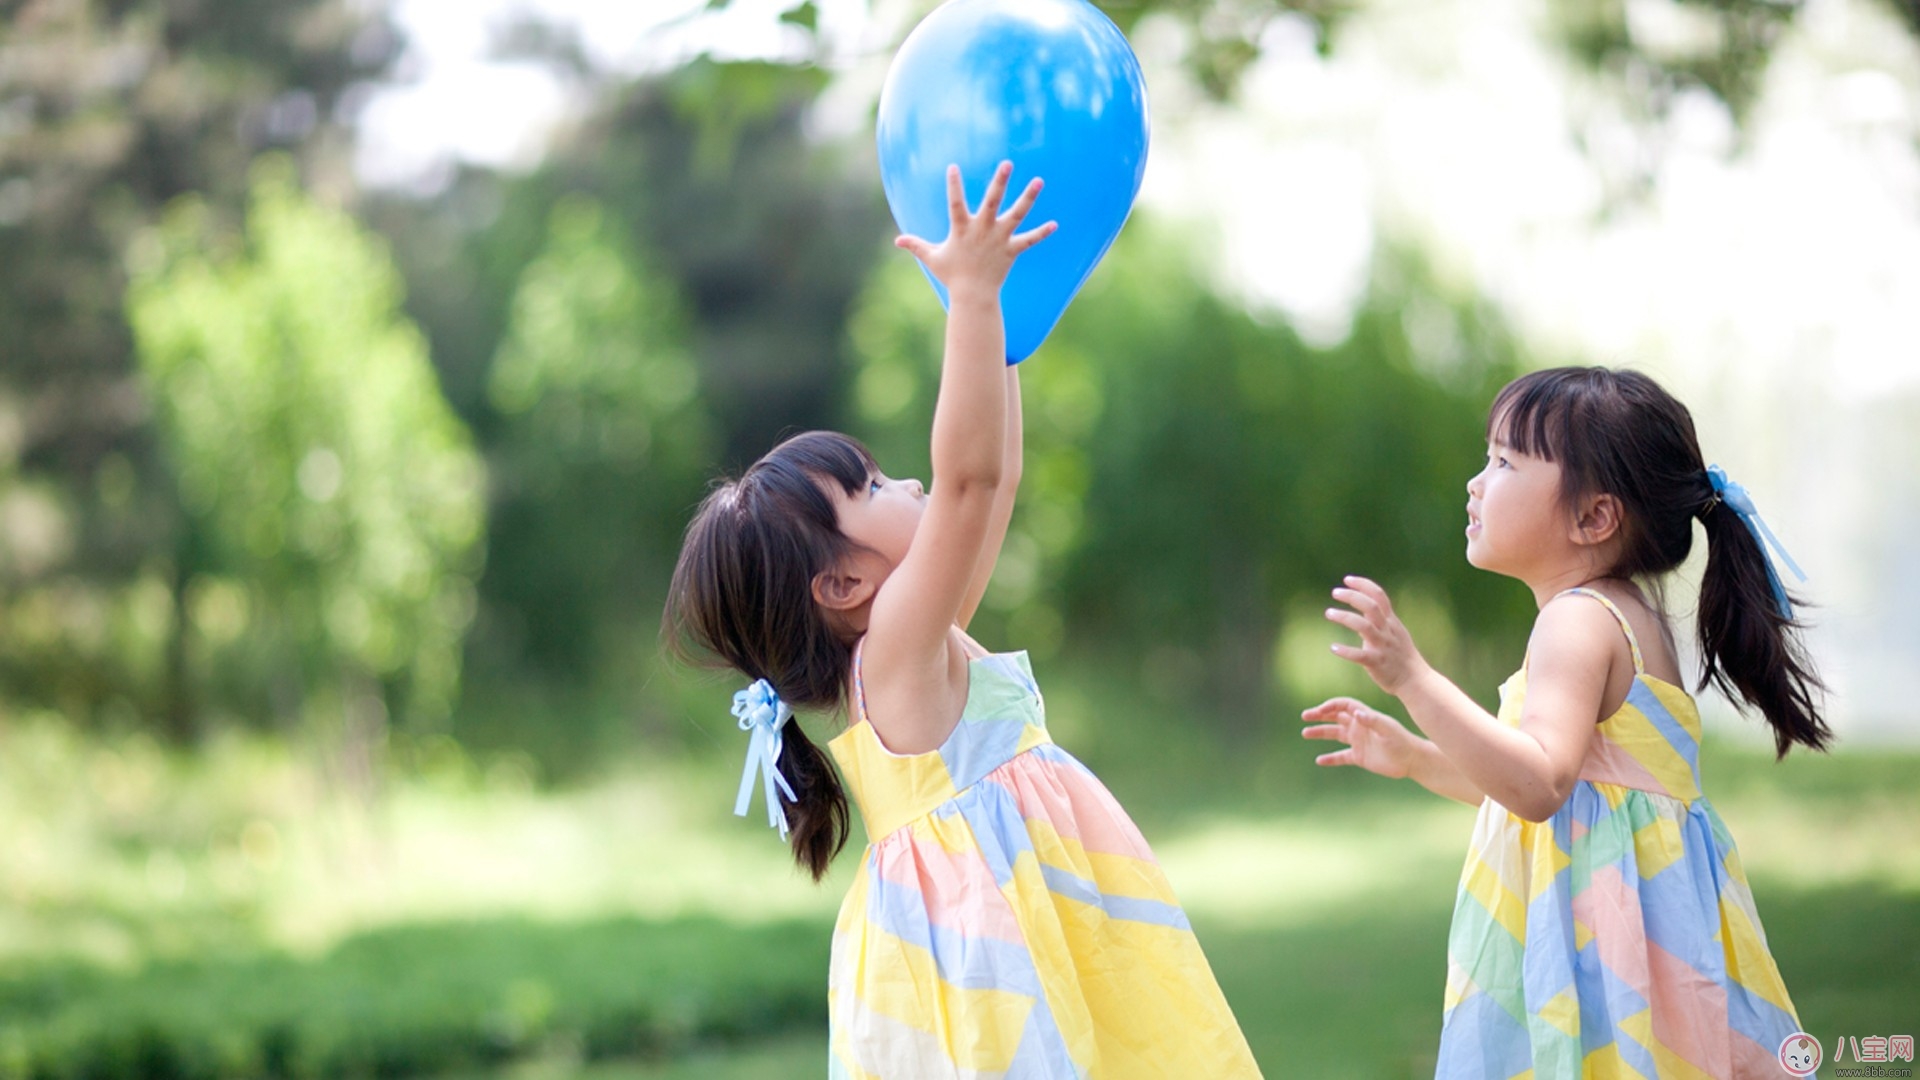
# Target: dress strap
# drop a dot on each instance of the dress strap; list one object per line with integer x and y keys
{"x": 974, "y": 650}
{"x": 859, "y": 688}
{"x": 1633, "y": 643}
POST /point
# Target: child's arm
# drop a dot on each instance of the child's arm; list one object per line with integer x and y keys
{"x": 916, "y": 671}
{"x": 1379, "y": 744}
{"x": 1529, "y": 769}
{"x": 1002, "y": 503}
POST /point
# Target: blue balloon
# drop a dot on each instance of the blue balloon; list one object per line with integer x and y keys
{"x": 1050, "y": 85}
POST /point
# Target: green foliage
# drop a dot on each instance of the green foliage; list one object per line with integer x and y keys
{"x": 603, "y": 445}
{"x": 1224, "y": 38}
{"x": 112, "y": 110}
{"x": 339, "y": 496}
{"x": 413, "y": 1000}
{"x": 722, "y": 102}
{"x": 737, "y": 259}
{"x": 1322, "y": 910}
{"x": 1722, "y": 47}
{"x": 770, "y": 241}
{"x": 1719, "y": 46}
{"x": 1197, "y": 476}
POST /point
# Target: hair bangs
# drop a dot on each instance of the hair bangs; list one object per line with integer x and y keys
{"x": 829, "y": 455}
{"x": 1533, "y": 415}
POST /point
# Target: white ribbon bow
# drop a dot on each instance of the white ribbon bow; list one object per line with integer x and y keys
{"x": 762, "y": 713}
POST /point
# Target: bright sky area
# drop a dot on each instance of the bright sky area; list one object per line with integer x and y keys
{"x": 1774, "y": 288}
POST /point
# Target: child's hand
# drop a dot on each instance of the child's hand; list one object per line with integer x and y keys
{"x": 1386, "y": 650}
{"x": 1375, "y": 741}
{"x": 980, "y": 247}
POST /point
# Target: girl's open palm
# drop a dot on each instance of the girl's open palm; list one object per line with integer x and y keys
{"x": 1386, "y": 649}
{"x": 1375, "y": 741}
{"x": 981, "y": 245}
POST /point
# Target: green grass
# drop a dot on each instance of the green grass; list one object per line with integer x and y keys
{"x": 229, "y": 914}
{"x": 1351, "y": 992}
{"x": 1358, "y": 993}
{"x": 415, "y": 1000}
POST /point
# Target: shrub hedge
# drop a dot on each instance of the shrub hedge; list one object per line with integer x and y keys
{"x": 416, "y": 1000}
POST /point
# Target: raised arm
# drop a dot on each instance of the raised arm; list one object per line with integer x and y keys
{"x": 1002, "y": 504}
{"x": 910, "y": 642}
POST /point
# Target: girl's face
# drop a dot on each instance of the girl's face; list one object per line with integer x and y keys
{"x": 883, "y": 517}
{"x": 1515, "y": 522}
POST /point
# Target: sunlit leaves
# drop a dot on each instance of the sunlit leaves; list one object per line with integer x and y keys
{"x": 605, "y": 441}
{"x": 311, "y": 441}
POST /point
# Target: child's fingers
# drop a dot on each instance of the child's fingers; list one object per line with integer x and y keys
{"x": 996, "y": 191}
{"x": 1365, "y": 585}
{"x": 1332, "y": 706}
{"x": 1323, "y": 731}
{"x": 1353, "y": 621}
{"x": 1018, "y": 211}
{"x": 920, "y": 248}
{"x": 956, "y": 195}
{"x": 1025, "y": 240}
{"x": 1337, "y": 757}
{"x": 1359, "y": 601}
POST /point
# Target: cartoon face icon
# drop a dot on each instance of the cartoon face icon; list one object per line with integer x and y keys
{"x": 1799, "y": 1054}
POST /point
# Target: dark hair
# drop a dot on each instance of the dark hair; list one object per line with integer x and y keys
{"x": 742, "y": 592}
{"x": 1619, "y": 433}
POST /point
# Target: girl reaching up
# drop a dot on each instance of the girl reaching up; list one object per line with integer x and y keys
{"x": 1604, "y": 926}
{"x": 1007, "y": 918}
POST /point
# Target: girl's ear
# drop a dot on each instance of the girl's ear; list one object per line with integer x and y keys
{"x": 1598, "y": 520}
{"x": 843, "y": 587}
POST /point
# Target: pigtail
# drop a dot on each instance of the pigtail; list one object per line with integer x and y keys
{"x": 1620, "y": 433}
{"x": 818, "y": 821}
{"x": 741, "y": 595}
{"x": 1748, "y": 648}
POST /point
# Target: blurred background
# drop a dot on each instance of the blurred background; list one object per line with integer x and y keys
{"x": 362, "y": 360}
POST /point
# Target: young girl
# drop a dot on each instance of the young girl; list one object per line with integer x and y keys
{"x": 1604, "y": 927}
{"x": 1007, "y": 918}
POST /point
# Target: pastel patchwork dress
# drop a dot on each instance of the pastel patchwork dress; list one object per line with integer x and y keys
{"x": 1619, "y": 937}
{"x": 1008, "y": 920}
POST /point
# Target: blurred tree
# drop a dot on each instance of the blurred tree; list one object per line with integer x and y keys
{"x": 735, "y": 244}
{"x": 767, "y": 231}
{"x": 1196, "y": 475}
{"x": 604, "y": 445}
{"x": 1648, "y": 51}
{"x": 339, "y": 496}
{"x": 107, "y": 111}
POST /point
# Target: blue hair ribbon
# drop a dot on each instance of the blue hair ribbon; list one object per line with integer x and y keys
{"x": 1741, "y": 503}
{"x": 762, "y": 713}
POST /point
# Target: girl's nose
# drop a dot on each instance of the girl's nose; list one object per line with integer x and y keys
{"x": 917, "y": 486}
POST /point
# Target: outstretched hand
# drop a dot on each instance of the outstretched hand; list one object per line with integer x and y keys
{"x": 1375, "y": 741}
{"x": 981, "y": 245}
{"x": 1386, "y": 649}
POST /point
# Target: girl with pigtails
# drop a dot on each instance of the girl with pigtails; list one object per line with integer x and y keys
{"x": 1604, "y": 926}
{"x": 1007, "y": 919}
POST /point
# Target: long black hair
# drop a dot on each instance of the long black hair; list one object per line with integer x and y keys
{"x": 742, "y": 592}
{"x": 1619, "y": 433}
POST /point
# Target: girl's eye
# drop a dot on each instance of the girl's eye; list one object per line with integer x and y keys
{"x": 873, "y": 487}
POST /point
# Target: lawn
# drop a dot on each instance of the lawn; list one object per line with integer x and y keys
{"x": 229, "y": 914}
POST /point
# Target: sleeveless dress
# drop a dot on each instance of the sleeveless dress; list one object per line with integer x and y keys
{"x": 1618, "y": 938}
{"x": 1008, "y": 920}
